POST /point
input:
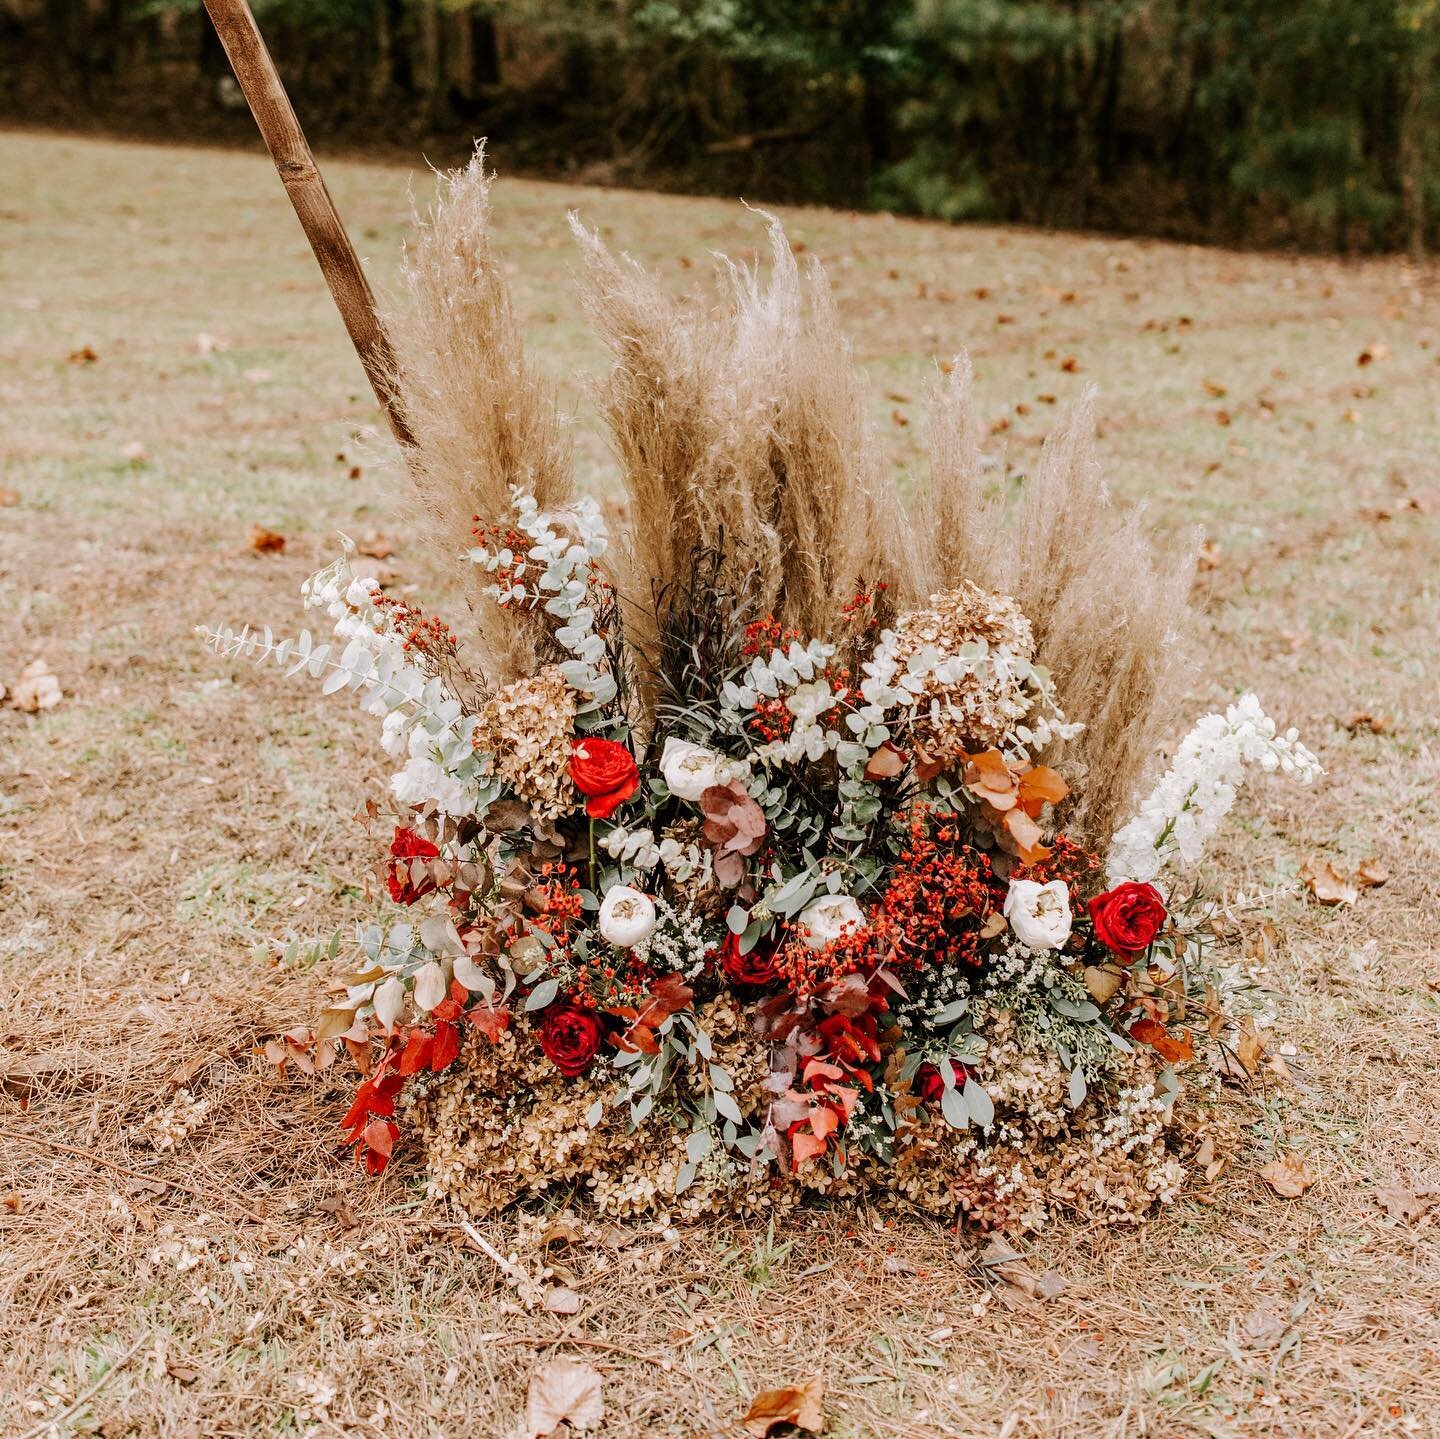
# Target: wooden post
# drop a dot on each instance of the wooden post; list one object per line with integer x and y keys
{"x": 261, "y": 85}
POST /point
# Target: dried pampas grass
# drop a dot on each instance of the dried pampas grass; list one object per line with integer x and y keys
{"x": 1108, "y": 612}
{"x": 743, "y": 431}
{"x": 482, "y": 418}
{"x": 745, "y": 448}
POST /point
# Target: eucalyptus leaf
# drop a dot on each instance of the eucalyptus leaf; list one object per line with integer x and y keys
{"x": 544, "y": 993}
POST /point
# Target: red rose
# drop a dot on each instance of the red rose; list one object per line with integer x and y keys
{"x": 407, "y": 845}
{"x": 929, "y": 1083}
{"x": 570, "y": 1037}
{"x": 1128, "y": 917}
{"x": 605, "y": 773}
{"x": 755, "y": 968}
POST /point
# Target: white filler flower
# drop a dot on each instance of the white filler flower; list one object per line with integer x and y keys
{"x": 691, "y": 769}
{"x": 1039, "y": 913}
{"x": 626, "y": 916}
{"x": 829, "y": 917}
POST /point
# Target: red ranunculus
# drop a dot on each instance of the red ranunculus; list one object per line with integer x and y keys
{"x": 408, "y": 845}
{"x": 605, "y": 773}
{"x": 929, "y": 1083}
{"x": 570, "y": 1037}
{"x": 755, "y": 968}
{"x": 1128, "y": 917}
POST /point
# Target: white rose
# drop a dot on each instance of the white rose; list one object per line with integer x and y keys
{"x": 626, "y": 916}
{"x": 1039, "y": 913}
{"x": 828, "y": 917}
{"x": 691, "y": 769}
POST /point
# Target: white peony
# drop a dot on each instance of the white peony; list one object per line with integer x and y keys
{"x": 691, "y": 769}
{"x": 828, "y": 917}
{"x": 1039, "y": 913}
{"x": 626, "y": 916}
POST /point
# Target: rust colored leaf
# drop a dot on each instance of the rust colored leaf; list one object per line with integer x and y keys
{"x": 799, "y": 1406}
{"x": 1041, "y": 785}
{"x": 265, "y": 542}
{"x": 1172, "y": 1047}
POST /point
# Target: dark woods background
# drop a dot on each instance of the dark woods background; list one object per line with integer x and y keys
{"x": 1311, "y": 122}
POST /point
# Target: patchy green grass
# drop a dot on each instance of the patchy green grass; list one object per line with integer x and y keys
{"x": 171, "y": 810}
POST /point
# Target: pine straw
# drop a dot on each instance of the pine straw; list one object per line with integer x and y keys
{"x": 111, "y": 845}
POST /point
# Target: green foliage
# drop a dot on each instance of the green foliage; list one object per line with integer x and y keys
{"x": 1308, "y": 120}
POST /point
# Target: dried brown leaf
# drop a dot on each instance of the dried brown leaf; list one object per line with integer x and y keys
{"x": 1326, "y": 883}
{"x": 1289, "y": 1176}
{"x": 265, "y": 542}
{"x": 37, "y": 689}
{"x": 1371, "y": 874}
{"x": 1404, "y": 1204}
{"x": 565, "y": 1391}
{"x": 799, "y": 1406}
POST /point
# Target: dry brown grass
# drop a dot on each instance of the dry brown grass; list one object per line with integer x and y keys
{"x": 171, "y": 812}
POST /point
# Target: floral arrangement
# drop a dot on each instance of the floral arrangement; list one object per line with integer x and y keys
{"x": 763, "y": 852}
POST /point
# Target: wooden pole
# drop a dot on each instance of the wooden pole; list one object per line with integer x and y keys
{"x": 262, "y": 87}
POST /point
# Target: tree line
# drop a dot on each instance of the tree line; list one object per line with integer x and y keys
{"x": 1310, "y": 122}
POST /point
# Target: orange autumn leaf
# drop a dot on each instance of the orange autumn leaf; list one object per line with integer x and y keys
{"x": 1174, "y": 1047}
{"x": 824, "y": 1122}
{"x": 1040, "y": 786}
{"x": 805, "y": 1146}
{"x": 1028, "y": 836}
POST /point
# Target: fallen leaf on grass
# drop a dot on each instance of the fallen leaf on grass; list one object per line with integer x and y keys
{"x": 562, "y": 1301}
{"x": 1371, "y": 874}
{"x": 798, "y": 1406}
{"x": 1262, "y": 1329}
{"x": 11, "y": 1203}
{"x": 1404, "y": 1204}
{"x": 1326, "y": 882}
{"x": 339, "y": 1208}
{"x": 565, "y": 1391}
{"x": 85, "y": 355}
{"x": 1371, "y": 353}
{"x": 9, "y": 497}
{"x": 266, "y": 542}
{"x": 1288, "y": 1176}
{"x": 376, "y": 546}
{"x": 1209, "y": 1161}
{"x": 1363, "y": 720}
{"x": 185, "y": 1373}
{"x": 1216, "y": 390}
{"x": 37, "y": 689}
{"x": 1007, "y": 1263}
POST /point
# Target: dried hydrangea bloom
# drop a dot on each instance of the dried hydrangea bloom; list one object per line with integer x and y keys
{"x": 528, "y": 728}
{"x": 977, "y": 649}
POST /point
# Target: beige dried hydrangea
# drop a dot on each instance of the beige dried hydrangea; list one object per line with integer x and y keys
{"x": 504, "y": 1126}
{"x": 528, "y": 728}
{"x": 983, "y": 705}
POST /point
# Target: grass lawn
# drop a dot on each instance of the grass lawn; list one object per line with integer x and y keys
{"x": 172, "y": 373}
